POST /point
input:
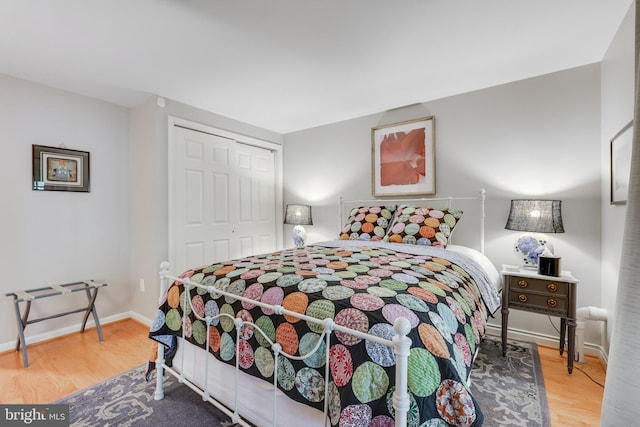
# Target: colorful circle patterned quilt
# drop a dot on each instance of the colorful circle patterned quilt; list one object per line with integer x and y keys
{"x": 365, "y": 288}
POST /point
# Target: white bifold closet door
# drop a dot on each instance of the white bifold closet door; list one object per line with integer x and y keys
{"x": 223, "y": 202}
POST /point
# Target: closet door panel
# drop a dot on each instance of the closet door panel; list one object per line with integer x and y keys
{"x": 223, "y": 199}
{"x": 203, "y": 197}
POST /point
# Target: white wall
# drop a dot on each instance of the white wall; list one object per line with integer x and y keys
{"x": 533, "y": 138}
{"x": 617, "y": 110}
{"x": 53, "y": 237}
{"x": 149, "y": 194}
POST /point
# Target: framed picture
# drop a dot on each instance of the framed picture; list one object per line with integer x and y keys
{"x": 621, "y": 164}
{"x": 403, "y": 158}
{"x": 60, "y": 169}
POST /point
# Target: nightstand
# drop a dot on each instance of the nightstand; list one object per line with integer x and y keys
{"x": 525, "y": 289}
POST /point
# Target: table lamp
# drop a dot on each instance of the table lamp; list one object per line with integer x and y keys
{"x": 534, "y": 216}
{"x": 298, "y": 215}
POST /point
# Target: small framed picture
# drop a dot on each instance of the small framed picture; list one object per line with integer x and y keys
{"x": 403, "y": 158}
{"x": 621, "y": 164}
{"x": 60, "y": 169}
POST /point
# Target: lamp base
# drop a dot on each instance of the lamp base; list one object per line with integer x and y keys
{"x": 299, "y": 236}
{"x": 529, "y": 247}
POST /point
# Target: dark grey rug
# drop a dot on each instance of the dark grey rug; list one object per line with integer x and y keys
{"x": 510, "y": 391}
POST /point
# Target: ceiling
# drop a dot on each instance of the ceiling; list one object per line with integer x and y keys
{"x": 287, "y": 65}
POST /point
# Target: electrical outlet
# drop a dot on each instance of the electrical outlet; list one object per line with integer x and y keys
{"x": 141, "y": 285}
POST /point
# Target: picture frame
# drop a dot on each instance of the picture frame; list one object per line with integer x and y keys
{"x": 620, "y": 164}
{"x": 60, "y": 169}
{"x": 403, "y": 158}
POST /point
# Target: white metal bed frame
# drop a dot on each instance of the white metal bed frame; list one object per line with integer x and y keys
{"x": 400, "y": 342}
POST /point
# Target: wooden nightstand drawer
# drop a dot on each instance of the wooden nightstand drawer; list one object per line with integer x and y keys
{"x": 538, "y": 302}
{"x": 550, "y": 287}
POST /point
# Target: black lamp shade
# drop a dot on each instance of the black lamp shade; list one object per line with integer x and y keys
{"x": 536, "y": 216}
{"x": 298, "y": 215}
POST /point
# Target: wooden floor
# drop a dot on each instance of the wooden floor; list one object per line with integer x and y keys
{"x": 574, "y": 400}
{"x": 64, "y": 365}
{"x": 67, "y": 364}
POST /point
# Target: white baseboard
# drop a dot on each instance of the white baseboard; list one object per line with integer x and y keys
{"x": 590, "y": 349}
{"x": 32, "y": 339}
{"x": 140, "y": 318}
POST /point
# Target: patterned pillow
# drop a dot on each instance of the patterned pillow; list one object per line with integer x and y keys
{"x": 422, "y": 225}
{"x": 367, "y": 223}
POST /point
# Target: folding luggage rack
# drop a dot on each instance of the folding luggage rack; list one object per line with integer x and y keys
{"x": 90, "y": 287}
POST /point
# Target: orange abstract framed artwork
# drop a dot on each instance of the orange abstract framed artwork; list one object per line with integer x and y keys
{"x": 60, "y": 169}
{"x": 403, "y": 158}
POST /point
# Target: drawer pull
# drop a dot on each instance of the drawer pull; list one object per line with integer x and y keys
{"x": 522, "y": 283}
{"x": 552, "y": 287}
{"x": 522, "y": 298}
{"x": 552, "y": 303}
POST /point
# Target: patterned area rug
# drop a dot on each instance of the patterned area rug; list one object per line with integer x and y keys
{"x": 510, "y": 391}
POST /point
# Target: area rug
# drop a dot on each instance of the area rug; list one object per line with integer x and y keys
{"x": 510, "y": 391}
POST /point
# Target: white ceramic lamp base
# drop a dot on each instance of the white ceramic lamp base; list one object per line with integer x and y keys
{"x": 529, "y": 247}
{"x": 299, "y": 236}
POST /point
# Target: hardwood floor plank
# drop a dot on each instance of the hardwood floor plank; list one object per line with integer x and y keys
{"x": 67, "y": 364}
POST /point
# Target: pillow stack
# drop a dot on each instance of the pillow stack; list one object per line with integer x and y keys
{"x": 415, "y": 225}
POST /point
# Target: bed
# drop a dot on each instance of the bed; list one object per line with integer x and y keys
{"x": 379, "y": 327}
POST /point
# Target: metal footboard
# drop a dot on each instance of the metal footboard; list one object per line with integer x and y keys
{"x": 400, "y": 343}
